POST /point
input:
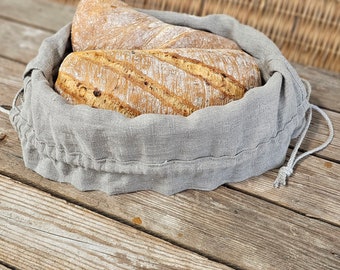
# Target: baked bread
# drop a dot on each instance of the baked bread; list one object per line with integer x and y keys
{"x": 133, "y": 63}
{"x": 112, "y": 24}
{"x": 161, "y": 81}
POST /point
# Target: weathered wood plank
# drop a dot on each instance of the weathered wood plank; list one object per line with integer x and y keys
{"x": 20, "y": 42}
{"x": 312, "y": 190}
{"x": 44, "y": 14}
{"x": 10, "y": 80}
{"x": 34, "y": 237}
{"x": 226, "y": 225}
{"x": 325, "y": 86}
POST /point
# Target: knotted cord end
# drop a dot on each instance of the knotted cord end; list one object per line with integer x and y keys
{"x": 286, "y": 171}
{"x": 283, "y": 174}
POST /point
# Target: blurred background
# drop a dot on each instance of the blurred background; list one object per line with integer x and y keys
{"x": 306, "y": 31}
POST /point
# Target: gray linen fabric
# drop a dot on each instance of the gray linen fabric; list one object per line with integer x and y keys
{"x": 96, "y": 149}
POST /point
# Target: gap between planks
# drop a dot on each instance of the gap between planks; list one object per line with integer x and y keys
{"x": 26, "y": 24}
{"x": 40, "y": 14}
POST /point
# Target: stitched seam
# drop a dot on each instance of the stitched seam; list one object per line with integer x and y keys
{"x": 81, "y": 156}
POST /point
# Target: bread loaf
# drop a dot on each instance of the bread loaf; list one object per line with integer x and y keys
{"x": 112, "y": 24}
{"x": 133, "y": 63}
{"x": 162, "y": 81}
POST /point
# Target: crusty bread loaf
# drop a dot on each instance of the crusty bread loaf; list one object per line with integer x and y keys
{"x": 163, "y": 81}
{"x": 133, "y": 63}
{"x": 112, "y": 24}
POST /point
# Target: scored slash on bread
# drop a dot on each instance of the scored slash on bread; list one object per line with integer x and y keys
{"x": 163, "y": 81}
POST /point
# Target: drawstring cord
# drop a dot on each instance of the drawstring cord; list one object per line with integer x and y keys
{"x": 4, "y": 109}
{"x": 286, "y": 171}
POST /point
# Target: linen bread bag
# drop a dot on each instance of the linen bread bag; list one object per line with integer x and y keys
{"x": 97, "y": 149}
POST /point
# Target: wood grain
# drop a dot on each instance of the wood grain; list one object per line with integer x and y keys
{"x": 42, "y": 14}
{"x": 10, "y": 80}
{"x": 34, "y": 237}
{"x": 325, "y": 86}
{"x": 20, "y": 42}
{"x": 313, "y": 189}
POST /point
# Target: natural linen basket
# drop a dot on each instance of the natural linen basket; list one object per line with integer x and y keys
{"x": 96, "y": 149}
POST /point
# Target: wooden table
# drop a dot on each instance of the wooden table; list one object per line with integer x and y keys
{"x": 249, "y": 225}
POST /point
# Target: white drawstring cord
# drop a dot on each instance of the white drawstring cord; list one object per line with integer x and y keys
{"x": 286, "y": 171}
{"x": 4, "y": 110}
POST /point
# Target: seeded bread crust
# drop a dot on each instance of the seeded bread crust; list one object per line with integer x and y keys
{"x": 163, "y": 81}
